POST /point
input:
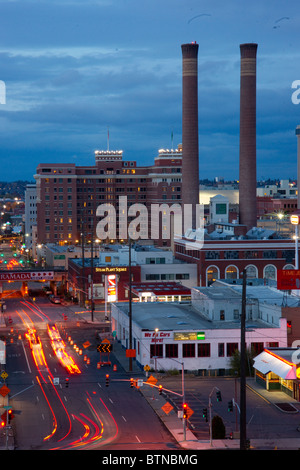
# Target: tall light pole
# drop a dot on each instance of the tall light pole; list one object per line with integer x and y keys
{"x": 295, "y": 220}
{"x": 82, "y": 254}
{"x": 92, "y": 273}
{"x": 130, "y": 306}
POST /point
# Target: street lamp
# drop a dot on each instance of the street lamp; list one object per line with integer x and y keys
{"x": 155, "y": 352}
{"x": 295, "y": 220}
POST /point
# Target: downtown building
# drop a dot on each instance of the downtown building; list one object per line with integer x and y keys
{"x": 68, "y": 196}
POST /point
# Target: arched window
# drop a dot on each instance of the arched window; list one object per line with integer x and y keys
{"x": 251, "y": 271}
{"x": 231, "y": 272}
{"x": 270, "y": 272}
{"x": 212, "y": 273}
{"x": 289, "y": 266}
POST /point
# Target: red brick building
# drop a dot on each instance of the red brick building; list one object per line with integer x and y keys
{"x": 226, "y": 259}
{"x": 68, "y": 195}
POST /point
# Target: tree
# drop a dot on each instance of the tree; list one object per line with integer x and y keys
{"x": 218, "y": 428}
{"x": 235, "y": 362}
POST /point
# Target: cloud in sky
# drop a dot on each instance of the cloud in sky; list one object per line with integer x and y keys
{"x": 73, "y": 68}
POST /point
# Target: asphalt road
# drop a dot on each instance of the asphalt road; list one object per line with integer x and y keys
{"x": 82, "y": 413}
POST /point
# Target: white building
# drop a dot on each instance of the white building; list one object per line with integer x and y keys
{"x": 171, "y": 336}
{"x": 156, "y": 264}
{"x": 30, "y": 214}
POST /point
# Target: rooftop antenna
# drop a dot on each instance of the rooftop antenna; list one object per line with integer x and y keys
{"x": 108, "y": 139}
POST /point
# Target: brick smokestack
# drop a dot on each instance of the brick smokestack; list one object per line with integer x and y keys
{"x": 190, "y": 146}
{"x": 247, "y": 177}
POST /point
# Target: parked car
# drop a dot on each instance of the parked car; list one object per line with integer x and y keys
{"x": 54, "y": 299}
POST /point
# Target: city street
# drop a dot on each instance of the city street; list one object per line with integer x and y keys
{"x": 54, "y": 409}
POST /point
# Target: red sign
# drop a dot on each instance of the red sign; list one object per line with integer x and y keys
{"x": 26, "y": 276}
{"x": 112, "y": 288}
{"x": 130, "y": 353}
{"x": 288, "y": 279}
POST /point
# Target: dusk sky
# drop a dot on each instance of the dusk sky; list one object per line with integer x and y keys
{"x": 75, "y": 68}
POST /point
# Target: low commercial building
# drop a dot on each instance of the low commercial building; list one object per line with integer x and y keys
{"x": 170, "y": 336}
{"x": 279, "y": 369}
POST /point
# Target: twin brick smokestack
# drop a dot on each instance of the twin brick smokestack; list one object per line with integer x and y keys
{"x": 190, "y": 146}
{"x": 247, "y": 184}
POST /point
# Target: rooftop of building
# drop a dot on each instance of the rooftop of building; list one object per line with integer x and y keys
{"x": 267, "y": 294}
{"x": 160, "y": 288}
{"x": 176, "y": 316}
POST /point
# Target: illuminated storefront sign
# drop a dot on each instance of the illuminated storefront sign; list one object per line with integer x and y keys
{"x": 27, "y": 276}
{"x": 111, "y": 288}
{"x": 189, "y": 336}
{"x": 111, "y": 269}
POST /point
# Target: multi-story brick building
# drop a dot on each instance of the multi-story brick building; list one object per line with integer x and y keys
{"x": 68, "y": 195}
{"x": 226, "y": 259}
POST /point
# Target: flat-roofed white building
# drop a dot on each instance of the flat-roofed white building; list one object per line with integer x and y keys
{"x": 171, "y": 336}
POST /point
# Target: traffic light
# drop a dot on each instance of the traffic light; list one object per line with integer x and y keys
{"x": 230, "y": 405}
{"x": 131, "y": 383}
{"x": 10, "y": 416}
{"x": 219, "y": 396}
{"x": 184, "y": 410}
{"x": 3, "y": 419}
{"x": 204, "y": 413}
{"x": 67, "y": 382}
{"x": 107, "y": 380}
{"x": 160, "y": 389}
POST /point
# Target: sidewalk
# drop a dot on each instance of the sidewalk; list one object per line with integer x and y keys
{"x": 175, "y": 426}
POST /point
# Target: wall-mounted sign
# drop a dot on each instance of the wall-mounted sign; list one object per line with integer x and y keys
{"x": 27, "y": 276}
{"x": 189, "y": 336}
{"x": 111, "y": 269}
{"x": 288, "y": 279}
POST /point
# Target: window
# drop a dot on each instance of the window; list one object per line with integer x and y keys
{"x": 188, "y": 350}
{"x": 156, "y": 350}
{"x": 257, "y": 348}
{"x": 221, "y": 350}
{"x": 231, "y": 348}
{"x": 204, "y": 350}
{"x": 171, "y": 350}
{"x": 222, "y": 314}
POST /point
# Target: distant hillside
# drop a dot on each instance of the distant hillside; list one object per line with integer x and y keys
{"x": 13, "y": 188}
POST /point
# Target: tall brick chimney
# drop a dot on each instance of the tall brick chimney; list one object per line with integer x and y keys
{"x": 247, "y": 177}
{"x": 190, "y": 146}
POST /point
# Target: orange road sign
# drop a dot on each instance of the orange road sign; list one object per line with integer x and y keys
{"x": 4, "y": 390}
{"x": 167, "y": 408}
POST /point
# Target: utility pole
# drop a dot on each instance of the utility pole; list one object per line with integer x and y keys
{"x": 82, "y": 251}
{"x": 243, "y": 445}
{"x": 130, "y": 306}
{"x": 92, "y": 273}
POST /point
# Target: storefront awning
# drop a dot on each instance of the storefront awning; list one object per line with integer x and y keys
{"x": 268, "y": 361}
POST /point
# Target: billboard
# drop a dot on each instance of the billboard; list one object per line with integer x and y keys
{"x": 288, "y": 279}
